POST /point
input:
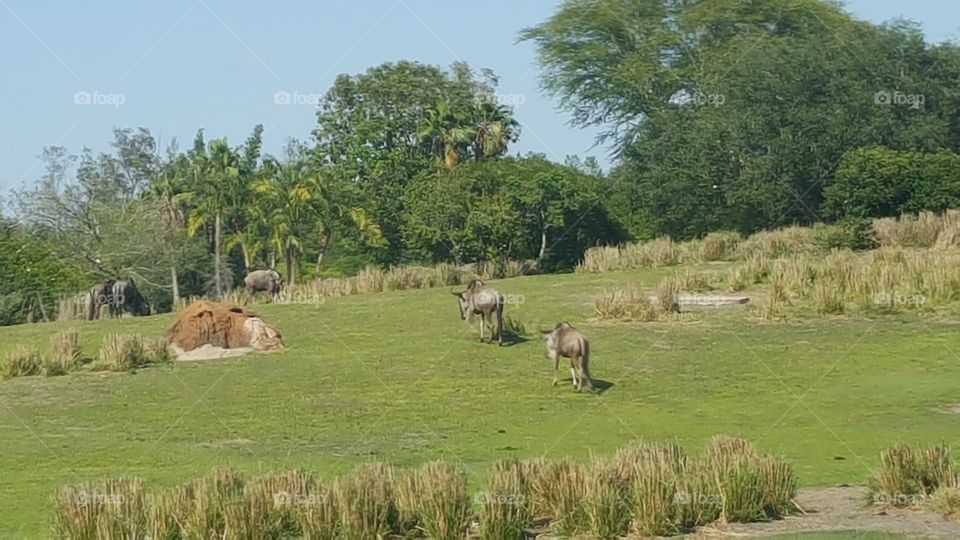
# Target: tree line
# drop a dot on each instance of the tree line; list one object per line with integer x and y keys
{"x": 720, "y": 115}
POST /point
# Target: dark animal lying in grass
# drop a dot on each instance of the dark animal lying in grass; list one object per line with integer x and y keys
{"x": 479, "y": 299}
{"x": 126, "y": 297}
{"x": 567, "y": 341}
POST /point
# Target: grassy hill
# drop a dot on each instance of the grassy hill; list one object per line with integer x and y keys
{"x": 398, "y": 377}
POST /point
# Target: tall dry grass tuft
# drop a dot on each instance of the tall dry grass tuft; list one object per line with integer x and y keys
{"x": 65, "y": 353}
{"x": 320, "y": 518}
{"x": 606, "y": 500}
{"x": 668, "y": 291}
{"x": 652, "y": 254}
{"x": 505, "y": 502}
{"x": 751, "y": 487}
{"x": 909, "y": 473}
{"x": 560, "y": 490}
{"x": 120, "y": 352}
{"x": 22, "y": 361}
{"x": 109, "y": 509}
{"x": 72, "y": 307}
{"x": 438, "y": 502}
{"x": 946, "y": 500}
{"x": 777, "y": 243}
{"x": 652, "y": 474}
{"x": 201, "y": 505}
{"x": 919, "y": 231}
{"x": 366, "y": 500}
{"x": 626, "y": 305}
{"x": 719, "y": 246}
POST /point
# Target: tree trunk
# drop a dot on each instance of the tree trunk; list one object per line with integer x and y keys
{"x": 543, "y": 247}
{"x": 291, "y": 264}
{"x": 273, "y": 259}
{"x": 175, "y": 285}
{"x": 543, "y": 241}
{"x": 324, "y": 245}
{"x": 246, "y": 257}
{"x": 217, "y": 285}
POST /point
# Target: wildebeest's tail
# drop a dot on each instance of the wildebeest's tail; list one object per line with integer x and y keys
{"x": 585, "y": 361}
{"x": 500, "y": 319}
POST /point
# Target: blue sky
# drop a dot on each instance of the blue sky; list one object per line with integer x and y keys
{"x": 179, "y": 65}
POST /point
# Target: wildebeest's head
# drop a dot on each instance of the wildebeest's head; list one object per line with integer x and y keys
{"x": 463, "y": 303}
{"x": 141, "y": 308}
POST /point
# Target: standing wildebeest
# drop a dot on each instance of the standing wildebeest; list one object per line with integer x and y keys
{"x": 268, "y": 281}
{"x": 482, "y": 300}
{"x": 99, "y": 295}
{"x": 126, "y": 297}
{"x": 566, "y": 341}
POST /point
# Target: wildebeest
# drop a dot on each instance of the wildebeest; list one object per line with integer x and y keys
{"x": 126, "y": 297}
{"x": 479, "y": 299}
{"x": 99, "y": 295}
{"x": 567, "y": 341}
{"x": 268, "y": 281}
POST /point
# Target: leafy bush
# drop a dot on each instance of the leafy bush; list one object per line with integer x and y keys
{"x": 849, "y": 233}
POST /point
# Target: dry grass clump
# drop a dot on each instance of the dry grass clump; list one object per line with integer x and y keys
{"x": 559, "y": 491}
{"x": 65, "y": 353}
{"x": 505, "y": 502}
{"x": 668, "y": 291}
{"x": 436, "y": 501}
{"x": 909, "y": 474}
{"x": 645, "y": 489}
{"x": 109, "y": 510}
{"x": 366, "y": 499}
{"x": 919, "y": 231}
{"x": 946, "y": 500}
{"x": 777, "y": 243}
{"x": 626, "y": 305}
{"x": 22, "y": 361}
{"x": 121, "y": 352}
{"x": 719, "y": 246}
{"x": 652, "y": 254}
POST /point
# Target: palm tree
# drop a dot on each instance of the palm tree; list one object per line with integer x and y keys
{"x": 496, "y": 130}
{"x": 298, "y": 203}
{"x": 447, "y": 132}
{"x": 215, "y": 176}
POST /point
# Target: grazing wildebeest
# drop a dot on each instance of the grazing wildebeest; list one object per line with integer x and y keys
{"x": 479, "y": 299}
{"x": 268, "y": 281}
{"x": 567, "y": 341}
{"x": 126, "y": 297}
{"x": 99, "y": 295}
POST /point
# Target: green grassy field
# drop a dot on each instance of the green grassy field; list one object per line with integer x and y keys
{"x": 398, "y": 377}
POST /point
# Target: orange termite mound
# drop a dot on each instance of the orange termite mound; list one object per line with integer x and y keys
{"x": 220, "y": 330}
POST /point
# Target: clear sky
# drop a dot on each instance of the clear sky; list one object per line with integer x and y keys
{"x": 174, "y": 66}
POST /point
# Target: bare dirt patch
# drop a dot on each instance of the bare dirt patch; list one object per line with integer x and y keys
{"x": 841, "y": 509}
{"x": 950, "y": 408}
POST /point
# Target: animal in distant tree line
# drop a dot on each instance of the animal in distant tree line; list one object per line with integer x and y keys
{"x": 119, "y": 296}
{"x": 480, "y": 299}
{"x": 268, "y": 281}
{"x": 567, "y": 341}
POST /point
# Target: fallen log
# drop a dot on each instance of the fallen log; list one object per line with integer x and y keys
{"x": 685, "y": 299}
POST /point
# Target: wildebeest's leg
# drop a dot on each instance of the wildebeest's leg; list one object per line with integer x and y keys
{"x": 483, "y": 322}
{"x": 556, "y": 367}
{"x": 573, "y": 373}
{"x": 500, "y": 321}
